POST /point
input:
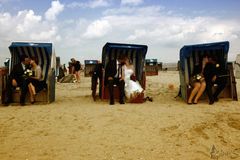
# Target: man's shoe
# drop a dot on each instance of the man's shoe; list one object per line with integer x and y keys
{"x": 215, "y": 99}
{"x": 5, "y": 104}
{"x": 22, "y": 104}
{"x": 211, "y": 102}
{"x": 111, "y": 103}
{"x": 121, "y": 102}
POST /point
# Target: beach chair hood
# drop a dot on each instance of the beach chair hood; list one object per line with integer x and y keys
{"x": 188, "y": 50}
{"x": 42, "y": 51}
{"x": 136, "y": 53}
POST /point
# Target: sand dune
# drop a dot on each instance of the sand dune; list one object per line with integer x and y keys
{"x": 74, "y": 127}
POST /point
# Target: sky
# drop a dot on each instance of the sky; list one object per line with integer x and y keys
{"x": 80, "y": 28}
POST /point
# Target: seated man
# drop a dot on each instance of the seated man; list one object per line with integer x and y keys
{"x": 113, "y": 75}
{"x": 212, "y": 73}
{"x": 17, "y": 79}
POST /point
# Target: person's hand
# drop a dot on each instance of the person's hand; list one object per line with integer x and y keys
{"x": 14, "y": 83}
{"x": 214, "y": 78}
{"x": 110, "y": 78}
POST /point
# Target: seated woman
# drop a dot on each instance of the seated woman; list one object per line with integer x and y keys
{"x": 198, "y": 83}
{"x": 35, "y": 82}
{"x": 132, "y": 88}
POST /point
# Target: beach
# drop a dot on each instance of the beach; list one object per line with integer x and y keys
{"x": 77, "y": 128}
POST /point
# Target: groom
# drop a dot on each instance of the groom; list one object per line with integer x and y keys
{"x": 113, "y": 75}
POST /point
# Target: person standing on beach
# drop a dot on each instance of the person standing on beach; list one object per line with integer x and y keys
{"x": 76, "y": 69}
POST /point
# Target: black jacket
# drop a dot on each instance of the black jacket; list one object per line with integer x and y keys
{"x": 17, "y": 73}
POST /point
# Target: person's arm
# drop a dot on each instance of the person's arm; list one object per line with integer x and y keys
{"x": 123, "y": 72}
{"x": 133, "y": 76}
{"x": 38, "y": 74}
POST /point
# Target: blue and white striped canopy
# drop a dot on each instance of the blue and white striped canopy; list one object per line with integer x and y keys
{"x": 220, "y": 49}
{"x": 42, "y": 51}
{"x": 136, "y": 53}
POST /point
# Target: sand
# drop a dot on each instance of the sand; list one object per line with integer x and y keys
{"x": 74, "y": 127}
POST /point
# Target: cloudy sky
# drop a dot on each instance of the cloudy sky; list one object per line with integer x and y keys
{"x": 80, "y": 28}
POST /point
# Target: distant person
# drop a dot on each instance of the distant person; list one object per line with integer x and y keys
{"x": 17, "y": 78}
{"x": 65, "y": 70}
{"x": 61, "y": 73}
{"x": 35, "y": 82}
{"x": 76, "y": 69}
{"x": 70, "y": 68}
{"x": 213, "y": 75}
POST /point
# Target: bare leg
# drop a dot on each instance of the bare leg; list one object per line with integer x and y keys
{"x": 194, "y": 91}
{"x": 31, "y": 92}
{"x": 200, "y": 92}
{"x": 78, "y": 76}
{"x": 33, "y": 89}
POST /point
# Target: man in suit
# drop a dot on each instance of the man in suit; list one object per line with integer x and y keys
{"x": 96, "y": 74}
{"x": 17, "y": 79}
{"x": 213, "y": 75}
{"x": 113, "y": 75}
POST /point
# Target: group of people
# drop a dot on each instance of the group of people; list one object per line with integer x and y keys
{"x": 74, "y": 68}
{"x": 205, "y": 75}
{"x": 28, "y": 76}
{"x": 120, "y": 72}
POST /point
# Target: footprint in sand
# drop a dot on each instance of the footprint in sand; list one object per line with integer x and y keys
{"x": 234, "y": 121}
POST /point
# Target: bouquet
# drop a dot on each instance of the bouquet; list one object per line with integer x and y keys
{"x": 27, "y": 73}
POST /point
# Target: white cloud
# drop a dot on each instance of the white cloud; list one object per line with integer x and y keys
{"x": 56, "y": 8}
{"x": 29, "y": 20}
{"x": 4, "y": 1}
{"x": 131, "y": 2}
{"x": 97, "y": 29}
{"x": 145, "y": 11}
{"x": 45, "y": 35}
{"x": 164, "y": 33}
{"x": 26, "y": 26}
{"x": 90, "y": 4}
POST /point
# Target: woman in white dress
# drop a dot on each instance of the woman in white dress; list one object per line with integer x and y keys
{"x": 132, "y": 88}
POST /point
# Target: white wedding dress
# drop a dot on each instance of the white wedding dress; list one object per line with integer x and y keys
{"x": 132, "y": 88}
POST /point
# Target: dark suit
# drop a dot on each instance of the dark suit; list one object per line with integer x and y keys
{"x": 97, "y": 74}
{"x": 17, "y": 74}
{"x": 111, "y": 71}
{"x": 210, "y": 71}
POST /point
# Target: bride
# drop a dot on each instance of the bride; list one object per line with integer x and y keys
{"x": 132, "y": 88}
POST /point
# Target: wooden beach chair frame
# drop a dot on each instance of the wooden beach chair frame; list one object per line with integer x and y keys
{"x": 189, "y": 53}
{"x": 47, "y": 60}
{"x": 136, "y": 53}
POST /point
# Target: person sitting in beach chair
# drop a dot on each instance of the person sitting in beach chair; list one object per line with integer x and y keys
{"x": 212, "y": 73}
{"x": 197, "y": 81}
{"x": 114, "y": 75}
{"x": 110, "y": 53}
{"x": 35, "y": 82}
{"x": 17, "y": 79}
{"x": 45, "y": 55}
{"x": 132, "y": 87}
